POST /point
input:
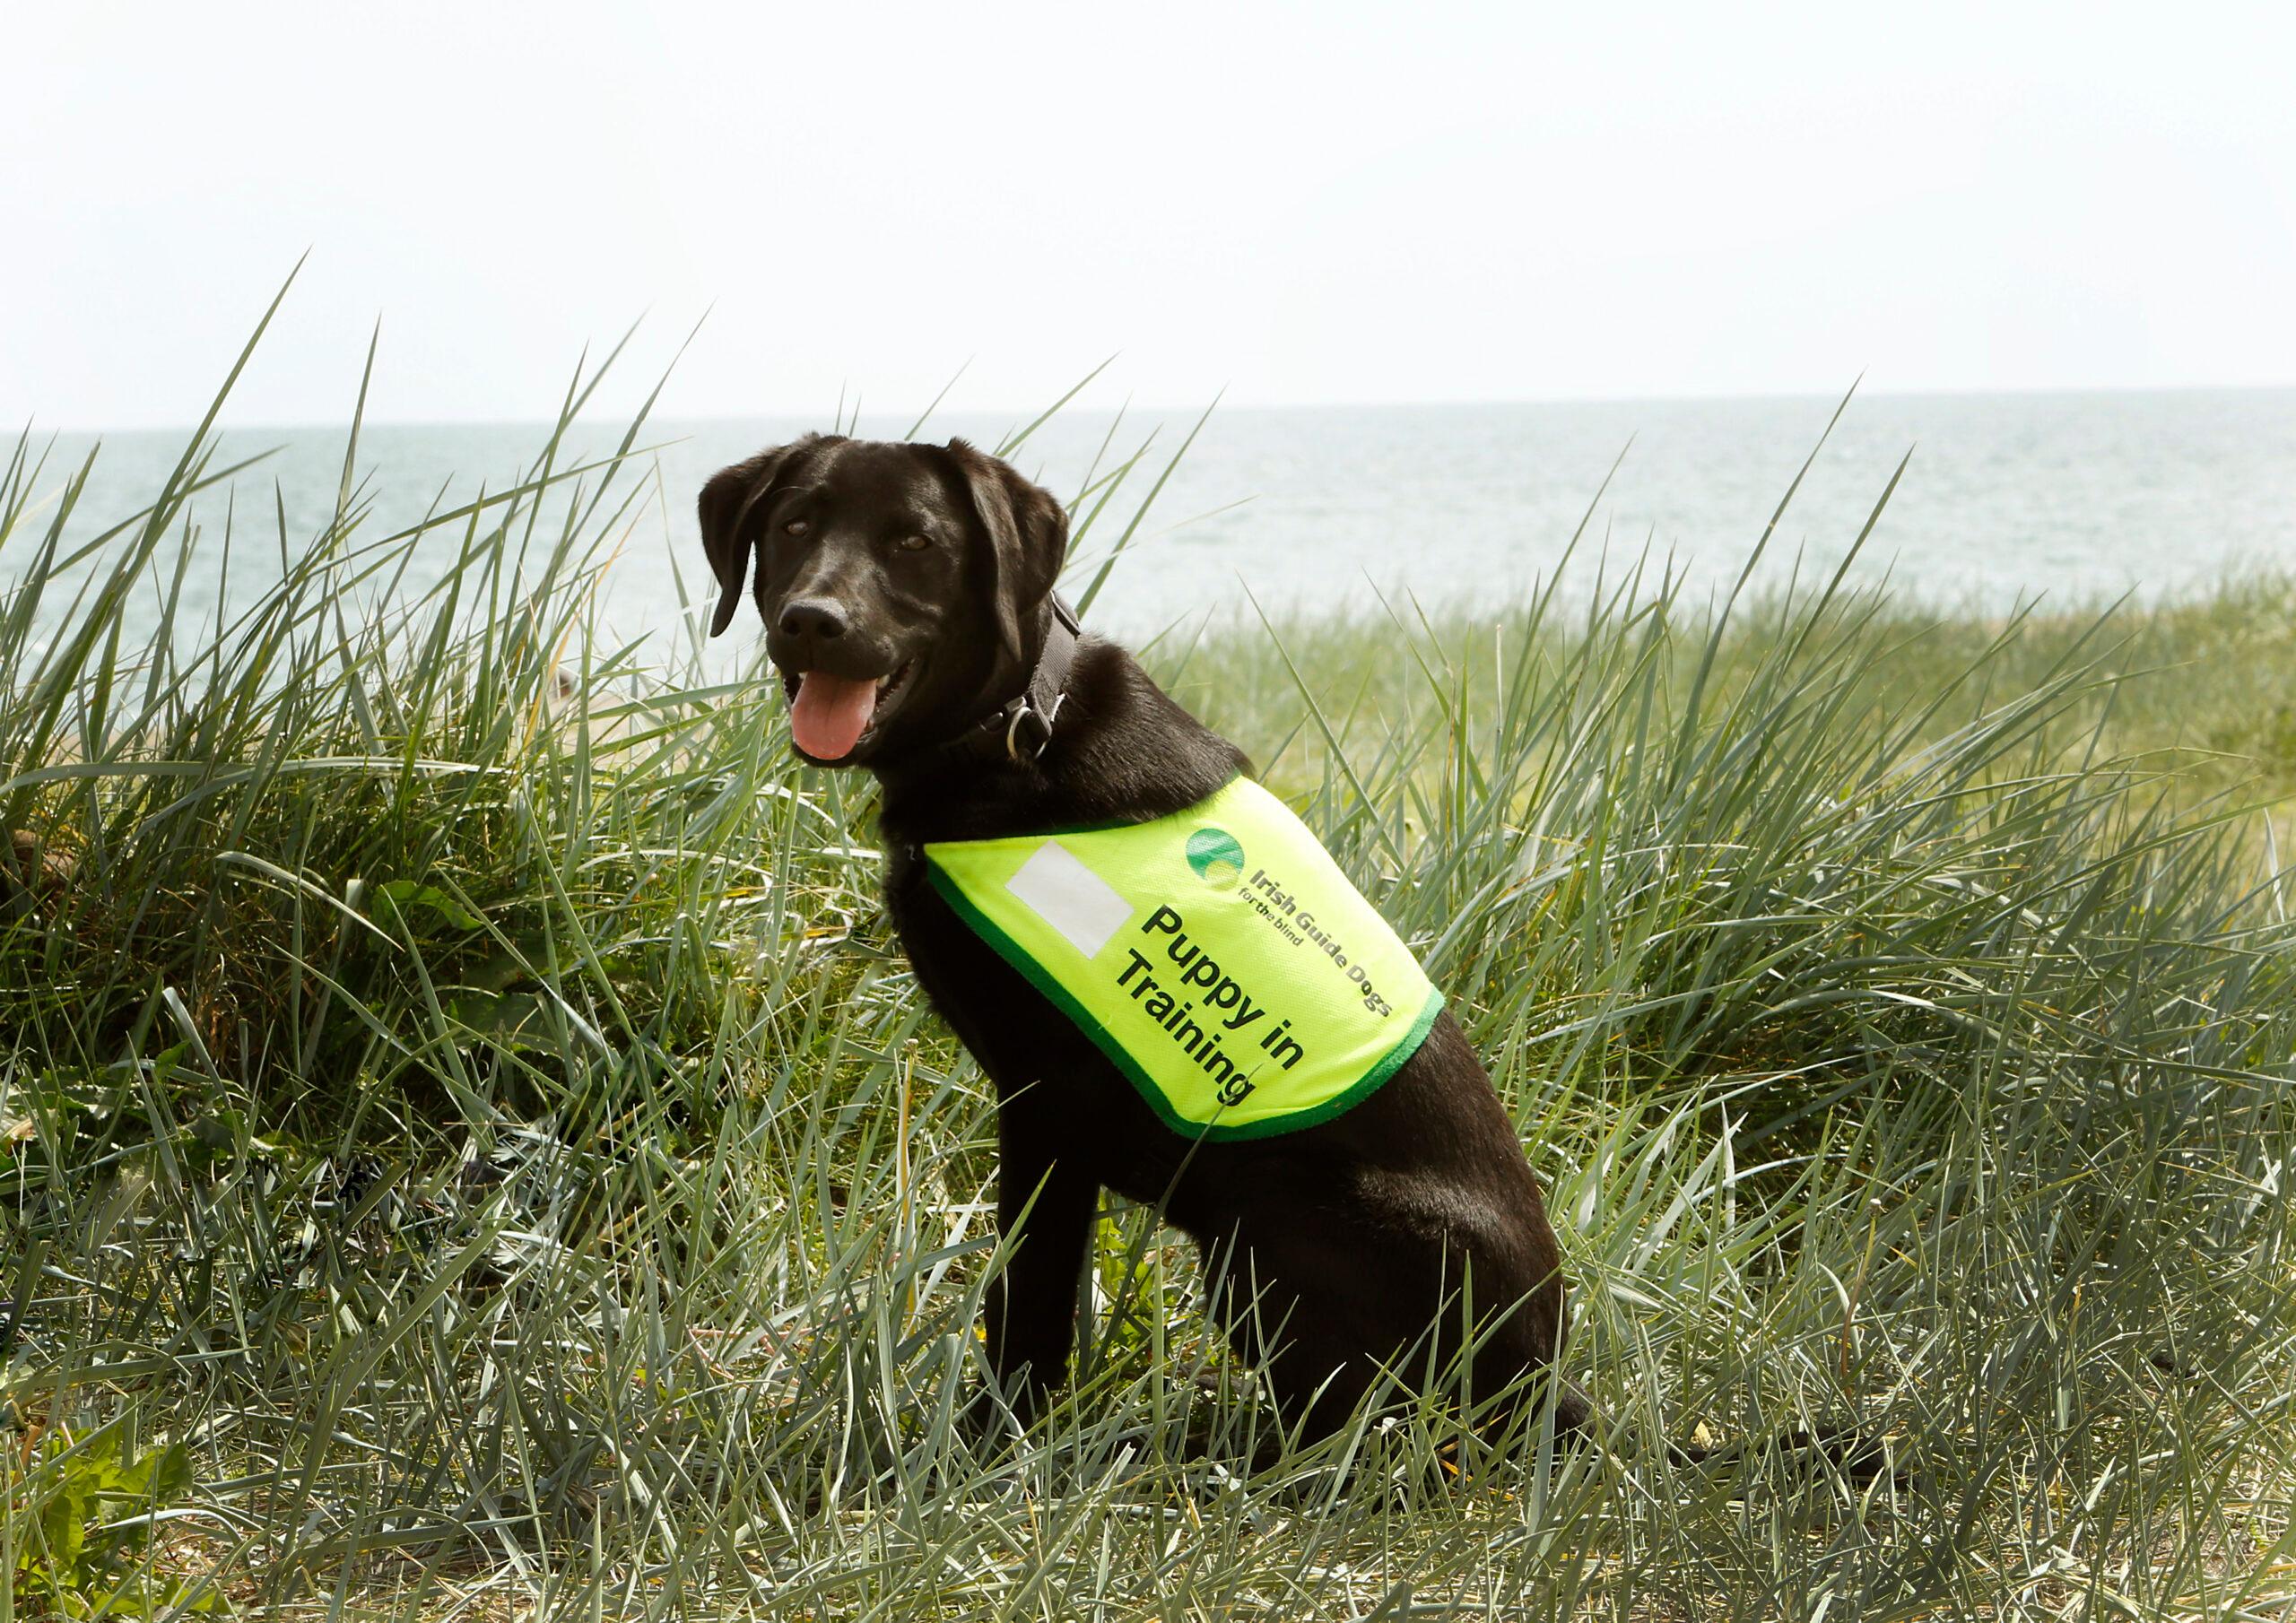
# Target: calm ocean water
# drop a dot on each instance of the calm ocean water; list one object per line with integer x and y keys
{"x": 2075, "y": 497}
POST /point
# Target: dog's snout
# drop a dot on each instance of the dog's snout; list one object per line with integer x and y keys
{"x": 814, "y": 619}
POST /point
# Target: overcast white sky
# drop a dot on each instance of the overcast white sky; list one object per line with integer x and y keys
{"x": 1317, "y": 202}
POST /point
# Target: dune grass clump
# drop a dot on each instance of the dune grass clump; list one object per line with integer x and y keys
{"x": 469, "y": 1145}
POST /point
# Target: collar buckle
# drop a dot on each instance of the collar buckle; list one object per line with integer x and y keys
{"x": 1026, "y": 710}
{"x": 1025, "y": 721}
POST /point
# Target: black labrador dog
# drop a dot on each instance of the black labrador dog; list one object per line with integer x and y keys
{"x": 907, "y": 592}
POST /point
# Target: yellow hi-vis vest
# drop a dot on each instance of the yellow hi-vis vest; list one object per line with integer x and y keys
{"x": 1218, "y": 956}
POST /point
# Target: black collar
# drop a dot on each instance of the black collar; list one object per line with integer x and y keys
{"x": 1021, "y": 728}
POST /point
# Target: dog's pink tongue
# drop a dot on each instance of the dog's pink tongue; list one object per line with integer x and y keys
{"x": 831, "y": 713}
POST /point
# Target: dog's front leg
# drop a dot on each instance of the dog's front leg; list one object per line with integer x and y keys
{"x": 1046, "y": 1206}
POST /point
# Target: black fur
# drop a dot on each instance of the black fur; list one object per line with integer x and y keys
{"x": 1343, "y": 1247}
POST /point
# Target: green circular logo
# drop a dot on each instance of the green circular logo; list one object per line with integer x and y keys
{"x": 1216, "y": 857}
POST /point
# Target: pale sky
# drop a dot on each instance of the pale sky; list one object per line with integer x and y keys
{"x": 1306, "y": 204}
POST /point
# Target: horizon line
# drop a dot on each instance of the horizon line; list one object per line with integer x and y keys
{"x": 1215, "y": 407}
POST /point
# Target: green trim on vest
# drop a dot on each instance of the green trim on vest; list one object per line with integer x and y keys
{"x": 1217, "y": 956}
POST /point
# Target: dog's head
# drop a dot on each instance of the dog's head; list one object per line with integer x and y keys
{"x": 903, "y": 586}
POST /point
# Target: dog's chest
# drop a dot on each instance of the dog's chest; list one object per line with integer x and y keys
{"x": 1030, "y": 1051}
{"x": 1007, "y": 1024}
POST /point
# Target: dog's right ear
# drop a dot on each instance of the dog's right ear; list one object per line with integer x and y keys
{"x": 733, "y": 514}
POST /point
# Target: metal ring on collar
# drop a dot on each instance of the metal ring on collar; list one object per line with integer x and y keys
{"x": 1045, "y": 717}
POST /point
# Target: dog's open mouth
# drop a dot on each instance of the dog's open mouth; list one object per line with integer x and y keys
{"x": 829, "y": 716}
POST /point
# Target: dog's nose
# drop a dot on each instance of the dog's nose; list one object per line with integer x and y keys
{"x": 814, "y": 618}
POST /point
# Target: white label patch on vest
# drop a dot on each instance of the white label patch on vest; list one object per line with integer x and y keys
{"x": 1071, "y": 897}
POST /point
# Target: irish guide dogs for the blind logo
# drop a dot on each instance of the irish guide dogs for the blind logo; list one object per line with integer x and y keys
{"x": 1216, "y": 857}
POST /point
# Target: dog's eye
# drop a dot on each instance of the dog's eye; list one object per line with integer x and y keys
{"x": 915, "y": 543}
{"x": 796, "y": 526}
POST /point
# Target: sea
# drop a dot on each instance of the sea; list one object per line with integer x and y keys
{"x": 2072, "y": 499}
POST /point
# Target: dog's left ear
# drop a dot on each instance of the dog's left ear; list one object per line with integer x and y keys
{"x": 1027, "y": 536}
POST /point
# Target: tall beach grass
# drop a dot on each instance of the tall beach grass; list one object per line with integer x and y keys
{"x": 471, "y": 1148}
